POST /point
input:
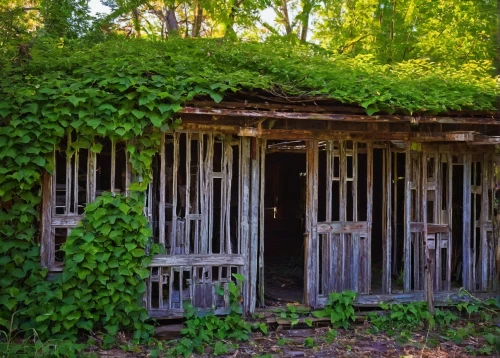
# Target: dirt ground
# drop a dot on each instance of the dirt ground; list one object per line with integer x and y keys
{"x": 354, "y": 342}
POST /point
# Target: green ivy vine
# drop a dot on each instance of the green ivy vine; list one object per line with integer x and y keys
{"x": 132, "y": 90}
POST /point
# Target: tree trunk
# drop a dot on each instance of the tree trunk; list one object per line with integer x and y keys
{"x": 171, "y": 20}
{"x": 198, "y": 18}
{"x": 286, "y": 18}
{"x": 136, "y": 22}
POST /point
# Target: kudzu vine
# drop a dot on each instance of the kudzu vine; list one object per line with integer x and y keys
{"x": 132, "y": 90}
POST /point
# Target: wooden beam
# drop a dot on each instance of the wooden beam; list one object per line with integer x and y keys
{"x": 350, "y": 227}
{"x": 197, "y": 260}
{"x": 467, "y": 279}
{"x": 407, "y": 213}
{"x": 222, "y": 112}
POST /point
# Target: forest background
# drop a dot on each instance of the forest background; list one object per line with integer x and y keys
{"x": 386, "y": 31}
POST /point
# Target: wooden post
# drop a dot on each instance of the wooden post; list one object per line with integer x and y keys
{"x": 311, "y": 237}
{"x": 161, "y": 205}
{"x": 466, "y": 229}
{"x": 244, "y": 217}
{"x": 428, "y": 288}
{"x": 254, "y": 222}
{"x": 387, "y": 239}
{"x": 47, "y": 239}
{"x": 369, "y": 209}
{"x": 407, "y": 232}
{"x": 261, "y": 220}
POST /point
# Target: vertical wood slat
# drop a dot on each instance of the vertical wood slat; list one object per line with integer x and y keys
{"x": 67, "y": 191}
{"x": 54, "y": 183}
{"x": 328, "y": 255}
{"x": 48, "y": 242}
{"x": 244, "y": 217}
{"x": 428, "y": 284}
{"x": 387, "y": 239}
{"x": 254, "y": 222}
{"x": 394, "y": 211}
{"x": 407, "y": 211}
{"x": 161, "y": 205}
{"x": 113, "y": 165}
{"x": 342, "y": 215}
{"x": 128, "y": 165}
{"x": 187, "y": 230}
{"x": 91, "y": 176}
{"x": 466, "y": 228}
{"x": 75, "y": 182}
{"x": 228, "y": 189}
{"x": 261, "y": 220}
{"x": 355, "y": 238}
{"x": 209, "y": 191}
{"x": 175, "y": 169}
{"x": 369, "y": 212}
{"x": 483, "y": 221}
{"x": 449, "y": 250}
{"x": 311, "y": 245}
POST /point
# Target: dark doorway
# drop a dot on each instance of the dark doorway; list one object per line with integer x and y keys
{"x": 284, "y": 222}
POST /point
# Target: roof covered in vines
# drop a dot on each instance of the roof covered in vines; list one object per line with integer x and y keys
{"x": 150, "y": 80}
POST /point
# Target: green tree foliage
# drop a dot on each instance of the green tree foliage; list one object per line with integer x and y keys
{"x": 445, "y": 30}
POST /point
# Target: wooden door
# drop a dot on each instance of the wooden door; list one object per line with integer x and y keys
{"x": 339, "y": 234}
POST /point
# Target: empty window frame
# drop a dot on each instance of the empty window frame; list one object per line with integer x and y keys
{"x": 79, "y": 176}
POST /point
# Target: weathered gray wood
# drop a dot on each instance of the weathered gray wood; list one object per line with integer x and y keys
{"x": 449, "y": 204}
{"x": 187, "y": 232}
{"x": 428, "y": 282}
{"x": 67, "y": 209}
{"x": 431, "y": 228}
{"x": 162, "y": 203}
{"x": 407, "y": 233}
{"x": 338, "y": 227}
{"x": 47, "y": 239}
{"x": 369, "y": 213}
{"x": 68, "y": 221}
{"x": 175, "y": 169}
{"x": 394, "y": 210}
{"x": 197, "y": 260}
{"x": 75, "y": 181}
{"x": 254, "y": 221}
{"x": 261, "y": 221}
{"x": 483, "y": 219}
{"x": 113, "y": 165}
{"x": 466, "y": 228}
{"x": 337, "y": 117}
{"x": 311, "y": 244}
{"x": 328, "y": 255}
{"x": 387, "y": 238}
{"x": 244, "y": 216}
{"x": 443, "y": 298}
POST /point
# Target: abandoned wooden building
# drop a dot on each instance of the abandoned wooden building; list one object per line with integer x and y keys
{"x": 302, "y": 199}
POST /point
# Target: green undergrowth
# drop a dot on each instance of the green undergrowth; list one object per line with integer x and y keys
{"x": 456, "y": 323}
{"x": 205, "y": 330}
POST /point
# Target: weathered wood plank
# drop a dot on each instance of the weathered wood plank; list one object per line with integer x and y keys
{"x": 244, "y": 215}
{"x": 175, "y": 168}
{"x": 338, "y": 117}
{"x": 338, "y": 227}
{"x": 387, "y": 237}
{"x": 311, "y": 244}
{"x": 113, "y": 165}
{"x": 162, "y": 203}
{"x": 68, "y": 221}
{"x": 254, "y": 221}
{"x": 407, "y": 212}
{"x": 467, "y": 278}
{"x": 47, "y": 239}
{"x": 261, "y": 221}
{"x": 369, "y": 213}
{"x": 431, "y": 228}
